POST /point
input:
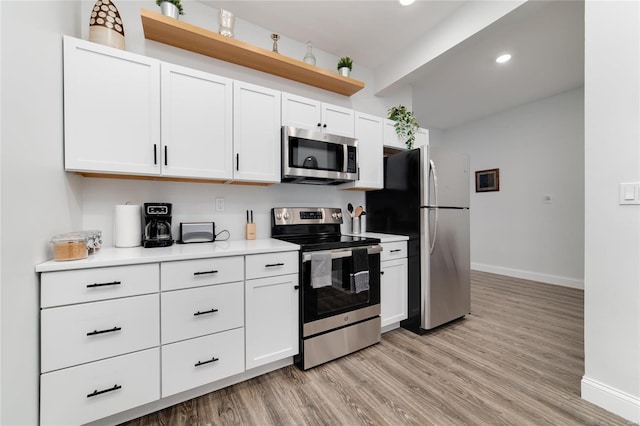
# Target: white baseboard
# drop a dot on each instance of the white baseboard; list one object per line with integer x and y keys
{"x": 529, "y": 275}
{"x": 611, "y": 399}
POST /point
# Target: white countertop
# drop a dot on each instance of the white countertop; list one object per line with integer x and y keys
{"x": 113, "y": 256}
{"x": 384, "y": 238}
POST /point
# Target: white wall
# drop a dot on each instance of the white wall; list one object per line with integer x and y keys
{"x": 38, "y": 199}
{"x": 612, "y": 231}
{"x": 538, "y": 148}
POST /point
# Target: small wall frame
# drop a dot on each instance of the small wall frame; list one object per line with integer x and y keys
{"x": 488, "y": 180}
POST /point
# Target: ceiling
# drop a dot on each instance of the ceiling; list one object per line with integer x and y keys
{"x": 546, "y": 39}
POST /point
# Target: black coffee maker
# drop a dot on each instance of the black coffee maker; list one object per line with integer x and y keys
{"x": 157, "y": 225}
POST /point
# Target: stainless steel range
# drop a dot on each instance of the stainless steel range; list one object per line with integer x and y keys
{"x": 340, "y": 283}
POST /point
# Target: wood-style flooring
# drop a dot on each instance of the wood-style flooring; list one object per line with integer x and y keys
{"x": 517, "y": 359}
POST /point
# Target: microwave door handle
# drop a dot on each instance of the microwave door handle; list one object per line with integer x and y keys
{"x": 345, "y": 158}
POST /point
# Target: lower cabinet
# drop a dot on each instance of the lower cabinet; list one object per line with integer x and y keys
{"x": 98, "y": 389}
{"x": 271, "y": 319}
{"x": 393, "y": 283}
{"x": 195, "y": 362}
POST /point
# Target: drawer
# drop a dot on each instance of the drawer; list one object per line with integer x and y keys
{"x": 92, "y": 391}
{"x": 76, "y": 334}
{"x": 90, "y": 285}
{"x": 395, "y": 250}
{"x": 203, "y": 360}
{"x": 204, "y": 310}
{"x": 272, "y": 264}
{"x": 201, "y": 272}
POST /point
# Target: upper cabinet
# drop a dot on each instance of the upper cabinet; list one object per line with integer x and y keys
{"x": 197, "y": 120}
{"x": 392, "y": 140}
{"x": 422, "y": 137}
{"x": 369, "y": 130}
{"x": 111, "y": 110}
{"x": 306, "y": 113}
{"x": 256, "y": 133}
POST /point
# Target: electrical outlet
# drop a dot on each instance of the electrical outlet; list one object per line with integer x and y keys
{"x": 219, "y": 204}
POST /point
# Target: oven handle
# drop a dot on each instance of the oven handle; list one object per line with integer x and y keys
{"x": 338, "y": 254}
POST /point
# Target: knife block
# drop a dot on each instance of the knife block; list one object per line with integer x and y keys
{"x": 250, "y": 231}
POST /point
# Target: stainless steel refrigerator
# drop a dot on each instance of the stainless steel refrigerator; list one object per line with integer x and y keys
{"x": 426, "y": 197}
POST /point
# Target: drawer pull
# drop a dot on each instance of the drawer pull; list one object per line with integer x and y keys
{"x": 214, "y": 310}
{"x": 205, "y": 272}
{"x": 97, "y": 392}
{"x": 199, "y": 363}
{"x": 110, "y": 330}
{"x": 104, "y": 284}
{"x": 271, "y": 265}
{"x": 395, "y": 250}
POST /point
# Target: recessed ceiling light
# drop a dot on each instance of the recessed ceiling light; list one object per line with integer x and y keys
{"x": 503, "y": 58}
{"x": 406, "y": 2}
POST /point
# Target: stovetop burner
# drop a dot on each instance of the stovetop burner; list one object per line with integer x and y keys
{"x": 314, "y": 228}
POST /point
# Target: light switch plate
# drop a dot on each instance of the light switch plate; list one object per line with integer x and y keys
{"x": 630, "y": 193}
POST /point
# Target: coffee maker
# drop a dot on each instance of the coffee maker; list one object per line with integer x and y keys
{"x": 157, "y": 225}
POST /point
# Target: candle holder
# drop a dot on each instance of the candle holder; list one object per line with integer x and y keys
{"x": 226, "y": 21}
{"x": 275, "y": 38}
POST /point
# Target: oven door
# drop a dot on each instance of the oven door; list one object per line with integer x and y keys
{"x": 340, "y": 297}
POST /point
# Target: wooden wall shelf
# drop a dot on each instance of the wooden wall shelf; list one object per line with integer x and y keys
{"x": 173, "y": 32}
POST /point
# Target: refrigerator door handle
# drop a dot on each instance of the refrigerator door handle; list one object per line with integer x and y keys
{"x": 432, "y": 171}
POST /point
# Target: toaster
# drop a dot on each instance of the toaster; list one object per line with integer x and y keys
{"x": 197, "y": 232}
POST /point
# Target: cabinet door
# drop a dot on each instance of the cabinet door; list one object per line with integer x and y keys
{"x": 196, "y": 124}
{"x": 393, "y": 291}
{"x": 271, "y": 322}
{"x": 111, "y": 110}
{"x": 369, "y": 130}
{"x": 391, "y": 138}
{"x": 256, "y": 133}
{"x": 337, "y": 120}
{"x": 303, "y": 113}
{"x": 422, "y": 138}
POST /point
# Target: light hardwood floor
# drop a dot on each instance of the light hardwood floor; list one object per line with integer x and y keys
{"x": 517, "y": 359}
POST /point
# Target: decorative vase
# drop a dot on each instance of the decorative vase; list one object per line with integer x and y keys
{"x": 105, "y": 25}
{"x": 344, "y": 71}
{"x": 169, "y": 9}
{"x": 226, "y": 21}
{"x": 309, "y": 58}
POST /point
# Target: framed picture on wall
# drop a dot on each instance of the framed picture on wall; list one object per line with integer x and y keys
{"x": 488, "y": 180}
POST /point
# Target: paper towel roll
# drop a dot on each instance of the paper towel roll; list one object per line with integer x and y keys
{"x": 127, "y": 229}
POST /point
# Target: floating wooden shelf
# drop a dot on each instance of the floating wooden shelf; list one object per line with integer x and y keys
{"x": 176, "y": 33}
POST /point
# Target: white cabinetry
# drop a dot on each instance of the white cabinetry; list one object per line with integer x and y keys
{"x": 393, "y": 284}
{"x": 99, "y": 355}
{"x": 272, "y": 305}
{"x": 306, "y": 113}
{"x": 197, "y": 120}
{"x": 256, "y": 133}
{"x": 111, "y": 110}
{"x": 391, "y": 138}
{"x": 369, "y": 130}
{"x": 422, "y": 138}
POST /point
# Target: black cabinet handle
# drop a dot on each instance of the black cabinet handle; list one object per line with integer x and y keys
{"x": 199, "y": 363}
{"x": 237, "y": 162}
{"x": 295, "y": 287}
{"x": 165, "y": 155}
{"x": 395, "y": 250}
{"x": 381, "y": 272}
{"x": 324, "y": 125}
{"x": 271, "y": 265}
{"x": 211, "y": 311}
{"x": 319, "y": 124}
{"x": 110, "y": 330}
{"x": 103, "y": 284}
{"x": 97, "y": 392}
{"x": 206, "y": 272}
{"x": 155, "y": 153}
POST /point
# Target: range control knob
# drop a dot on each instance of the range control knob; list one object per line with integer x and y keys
{"x": 334, "y": 215}
{"x": 278, "y": 216}
{"x": 286, "y": 215}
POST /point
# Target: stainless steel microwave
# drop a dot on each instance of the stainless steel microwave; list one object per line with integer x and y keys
{"x": 318, "y": 158}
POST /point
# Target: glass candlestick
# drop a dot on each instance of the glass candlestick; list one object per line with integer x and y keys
{"x": 309, "y": 58}
{"x": 226, "y": 20}
{"x": 275, "y": 38}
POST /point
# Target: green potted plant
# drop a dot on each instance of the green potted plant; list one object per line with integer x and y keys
{"x": 406, "y": 124}
{"x": 171, "y": 8}
{"x": 345, "y": 65}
